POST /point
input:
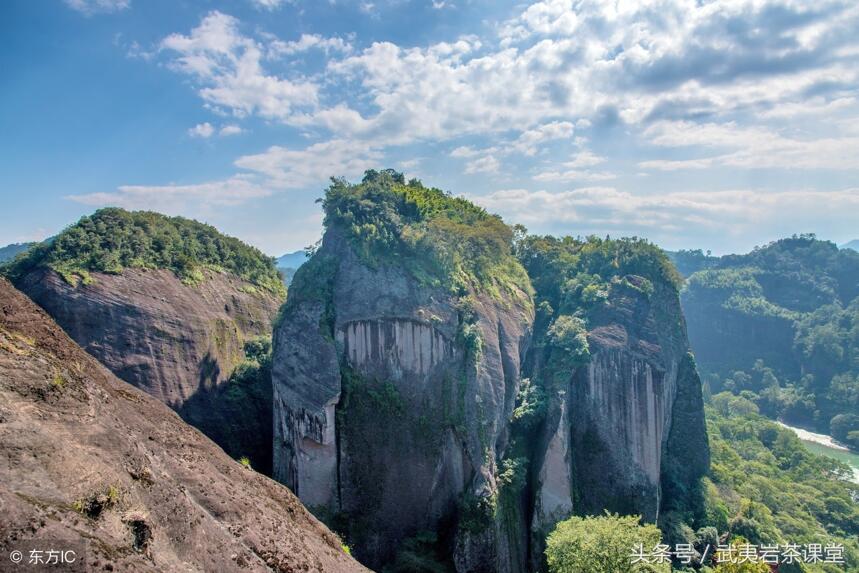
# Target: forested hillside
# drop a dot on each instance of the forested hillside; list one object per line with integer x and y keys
{"x": 782, "y": 325}
{"x": 111, "y": 240}
{"x": 765, "y": 486}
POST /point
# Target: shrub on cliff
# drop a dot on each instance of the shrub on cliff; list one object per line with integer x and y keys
{"x": 603, "y": 544}
{"x": 440, "y": 239}
{"x": 112, "y": 239}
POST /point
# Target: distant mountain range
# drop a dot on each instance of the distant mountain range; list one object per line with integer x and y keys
{"x": 291, "y": 260}
{"x": 854, "y": 244}
{"x": 289, "y": 263}
{"x": 9, "y": 252}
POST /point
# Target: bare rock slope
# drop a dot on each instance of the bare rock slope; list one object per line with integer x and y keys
{"x": 87, "y": 459}
{"x": 177, "y": 342}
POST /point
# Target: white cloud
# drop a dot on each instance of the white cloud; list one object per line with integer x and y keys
{"x": 293, "y": 168}
{"x": 574, "y": 175}
{"x": 268, "y": 4}
{"x": 740, "y": 213}
{"x": 89, "y": 7}
{"x": 570, "y": 62}
{"x": 486, "y": 164}
{"x": 727, "y": 84}
{"x": 529, "y": 141}
{"x": 227, "y": 66}
{"x": 230, "y": 129}
{"x": 179, "y": 199}
{"x": 307, "y": 42}
{"x": 204, "y": 130}
{"x": 750, "y": 147}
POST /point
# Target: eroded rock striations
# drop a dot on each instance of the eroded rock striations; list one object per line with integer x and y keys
{"x": 422, "y": 403}
{"x": 176, "y": 335}
{"x": 625, "y": 428}
{"x": 93, "y": 464}
{"x": 392, "y": 394}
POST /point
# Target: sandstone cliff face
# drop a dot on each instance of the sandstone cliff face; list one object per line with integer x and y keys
{"x": 606, "y": 439}
{"x": 101, "y": 467}
{"x": 179, "y": 343}
{"x": 389, "y": 424}
{"x": 726, "y": 340}
{"x": 384, "y": 417}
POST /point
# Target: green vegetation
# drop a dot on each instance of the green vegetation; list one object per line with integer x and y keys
{"x": 602, "y": 544}
{"x": 439, "y": 239}
{"x": 9, "y": 252}
{"x": 422, "y": 553}
{"x": 782, "y": 323}
{"x": 96, "y": 503}
{"x": 111, "y": 240}
{"x": 241, "y": 423}
{"x": 766, "y": 487}
{"x": 692, "y": 260}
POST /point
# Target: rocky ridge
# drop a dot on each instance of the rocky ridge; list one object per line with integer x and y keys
{"x": 99, "y": 465}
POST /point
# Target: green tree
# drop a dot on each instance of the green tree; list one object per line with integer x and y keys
{"x": 602, "y": 544}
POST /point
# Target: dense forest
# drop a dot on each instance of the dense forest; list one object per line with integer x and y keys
{"x": 763, "y": 488}
{"x": 780, "y": 325}
{"x": 439, "y": 238}
{"x": 113, "y": 239}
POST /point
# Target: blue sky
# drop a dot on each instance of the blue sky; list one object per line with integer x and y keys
{"x": 701, "y": 124}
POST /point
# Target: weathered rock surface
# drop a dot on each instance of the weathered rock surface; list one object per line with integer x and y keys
{"x": 177, "y": 342}
{"x": 607, "y": 437}
{"x": 384, "y": 418}
{"x": 387, "y": 424}
{"x": 93, "y": 462}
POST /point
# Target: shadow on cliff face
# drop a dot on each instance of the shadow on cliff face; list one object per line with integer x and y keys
{"x": 237, "y": 412}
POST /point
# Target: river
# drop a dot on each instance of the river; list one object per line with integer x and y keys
{"x": 824, "y": 445}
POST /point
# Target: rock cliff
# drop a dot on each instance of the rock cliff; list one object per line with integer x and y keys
{"x": 94, "y": 465}
{"x": 177, "y": 339}
{"x": 416, "y": 400}
{"x": 616, "y": 412}
{"x": 392, "y": 395}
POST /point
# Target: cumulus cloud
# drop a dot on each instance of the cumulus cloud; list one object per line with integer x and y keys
{"x": 486, "y": 164}
{"x": 676, "y": 84}
{"x": 227, "y": 67}
{"x": 292, "y": 168}
{"x": 204, "y": 130}
{"x": 230, "y": 129}
{"x": 268, "y": 4}
{"x": 750, "y": 147}
{"x": 743, "y": 214}
{"x": 89, "y": 7}
{"x": 308, "y": 42}
{"x": 572, "y": 63}
{"x": 571, "y": 60}
{"x": 179, "y": 199}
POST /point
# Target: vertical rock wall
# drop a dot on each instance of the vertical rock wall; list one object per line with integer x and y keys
{"x": 605, "y": 444}
{"x": 384, "y": 419}
{"x": 389, "y": 424}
